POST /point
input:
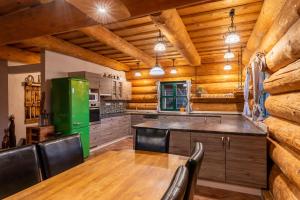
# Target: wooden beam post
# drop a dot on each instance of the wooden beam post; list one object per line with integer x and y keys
{"x": 104, "y": 35}
{"x": 172, "y": 26}
{"x": 18, "y": 55}
{"x": 58, "y": 45}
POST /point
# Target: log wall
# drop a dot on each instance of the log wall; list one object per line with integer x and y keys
{"x": 283, "y": 105}
{"x": 210, "y": 76}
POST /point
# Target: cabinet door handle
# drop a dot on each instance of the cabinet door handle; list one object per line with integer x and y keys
{"x": 228, "y": 142}
{"x": 223, "y": 141}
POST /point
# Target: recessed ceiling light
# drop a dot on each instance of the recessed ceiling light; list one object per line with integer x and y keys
{"x": 137, "y": 74}
{"x": 228, "y": 55}
{"x": 101, "y": 10}
{"x": 173, "y": 71}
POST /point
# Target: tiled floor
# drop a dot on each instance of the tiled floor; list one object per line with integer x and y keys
{"x": 202, "y": 193}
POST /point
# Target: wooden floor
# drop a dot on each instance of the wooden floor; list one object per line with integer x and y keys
{"x": 202, "y": 193}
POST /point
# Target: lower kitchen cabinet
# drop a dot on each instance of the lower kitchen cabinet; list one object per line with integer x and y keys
{"x": 109, "y": 129}
{"x": 180, "y": 142}
{"x": 234, "y": 159}
{"x": 246, "y": 158}
{"x": 213, "y": 164}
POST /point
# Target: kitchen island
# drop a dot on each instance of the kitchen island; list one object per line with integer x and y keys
{"x": 235, "y": 149}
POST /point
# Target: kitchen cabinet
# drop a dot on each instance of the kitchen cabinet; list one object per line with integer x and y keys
{"x": 213, "y": 164}
{"x": 138, "y": 119}
{"x": 109, "y": 129}
{"x": 94, "y": 79}
{"x": 127, "y": 90}
{"x": 234, "y": 159}
{"x": 180, "y": 143}
{"x": 106, "y": 86}
{"x": 246, "y": 158}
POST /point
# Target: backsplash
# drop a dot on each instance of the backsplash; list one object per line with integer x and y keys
{"x": 112, "y": 106}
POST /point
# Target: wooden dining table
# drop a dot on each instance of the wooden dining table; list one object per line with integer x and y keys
{"x": 117, "y": 175}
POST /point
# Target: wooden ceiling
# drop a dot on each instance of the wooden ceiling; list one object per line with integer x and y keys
{"x": 206, "y": 24}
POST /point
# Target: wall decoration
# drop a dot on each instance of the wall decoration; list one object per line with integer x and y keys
{"x": 32, "y": 101}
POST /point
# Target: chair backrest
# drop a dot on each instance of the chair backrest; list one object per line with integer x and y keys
{"x": 60, "y": 154}
{"x": 152, "y": 140}
{"x": 193, "y": 165}
{"x": 19, "y": 169}
{"x": 178, "y": 185}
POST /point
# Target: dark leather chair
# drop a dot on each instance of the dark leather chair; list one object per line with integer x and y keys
{"x": 193, "y": 165}
{"x": 60, "y": 154}
{"x": 178, "y": 185}
{"x": 19, "y": 169}
{"x": 148, "y": 139}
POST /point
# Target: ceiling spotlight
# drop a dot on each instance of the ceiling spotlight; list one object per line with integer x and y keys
{"x": 138, "y": 73}
{"x": 157, "y": 70}
{"x": 231, "y": 36}
{"x": 228, "y": 54}
{"x": 227, "y": 67}
{"x": 173, "y": 70}
{"x": 160, "y": 44}
{"x": 101, "y": 10}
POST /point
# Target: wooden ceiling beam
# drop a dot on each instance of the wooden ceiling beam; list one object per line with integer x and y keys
{"x": 171, "y": 25}
{"x": 54, "y": 44}
{"x": 54, "y": 17}
{"x": 18, "y": 55}
{"x": 104, "y": 35}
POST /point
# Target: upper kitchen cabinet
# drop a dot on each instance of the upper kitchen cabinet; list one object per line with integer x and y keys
{"x": 106, "y": 86}
{"x": 127, "y": 90}
{"x": 94, "y": 79}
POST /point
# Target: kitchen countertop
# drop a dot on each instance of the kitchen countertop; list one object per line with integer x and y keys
{"x": 239, "y": 126}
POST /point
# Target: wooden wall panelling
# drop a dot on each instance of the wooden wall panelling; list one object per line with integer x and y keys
{"x": 284, "y": 106}
{"x": 142, "y": 106}
{"x": 284, "y": 131}
{"x": 281, "y": 187}
{"x": 290, "y": 165}
{"x": 284, "y": 80}
{"x": 286, "y": 50}
{"x": 226, "y": 107}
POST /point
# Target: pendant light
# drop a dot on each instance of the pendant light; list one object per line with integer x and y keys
{"x": 157, "y": 70}
{"x": 160, "y": 45}
{"x": 173, "y": 70}
{"x": 138, "y": 73}
{"x": 228, "y": 54}
{"x": 227, "y": 67}
{"x": 231, "y": 36}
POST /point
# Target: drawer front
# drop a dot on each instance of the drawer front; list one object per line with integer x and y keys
{"x": 180, "y": 143}
{"x": 246, "y": 161}
{"x": 213, "y": 164}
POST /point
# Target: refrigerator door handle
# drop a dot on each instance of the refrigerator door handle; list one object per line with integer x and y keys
{"x": 76, "y": 123}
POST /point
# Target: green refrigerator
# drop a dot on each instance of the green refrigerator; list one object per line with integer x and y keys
{"x": 70, "y": 108}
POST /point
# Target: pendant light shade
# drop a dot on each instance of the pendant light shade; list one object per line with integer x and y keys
{"x": 173, "y": 70}
{"x": 228, "y": 54}
{"x": 227, "y": 67}
{"x": 138, "y": 73}
{"x": 231, "y": 36}
{"x": 160, "y": 45}
{"x": 157, "y": 70}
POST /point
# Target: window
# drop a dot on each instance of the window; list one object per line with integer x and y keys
{"x": 173, "y": 95}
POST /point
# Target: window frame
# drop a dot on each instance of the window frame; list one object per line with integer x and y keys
{"x": 174, "y": 96}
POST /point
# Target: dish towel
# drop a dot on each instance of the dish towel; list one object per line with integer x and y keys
{"x": 246, "y": 110}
